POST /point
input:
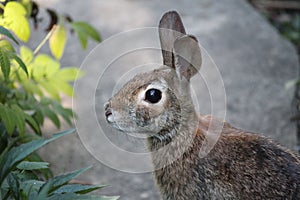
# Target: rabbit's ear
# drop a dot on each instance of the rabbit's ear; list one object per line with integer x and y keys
{"x": 170, "y": 28}
{"x": 187, "y": 56}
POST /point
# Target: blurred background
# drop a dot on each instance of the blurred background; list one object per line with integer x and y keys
{"x": 255, "y": 45}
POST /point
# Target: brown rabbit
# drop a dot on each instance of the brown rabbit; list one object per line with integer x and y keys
{"x": 241, "y": 165}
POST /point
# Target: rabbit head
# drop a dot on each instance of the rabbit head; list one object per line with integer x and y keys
{"x": 157, "y": 101}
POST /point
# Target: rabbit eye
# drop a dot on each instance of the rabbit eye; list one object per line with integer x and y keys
{"x": 153, "y": 95}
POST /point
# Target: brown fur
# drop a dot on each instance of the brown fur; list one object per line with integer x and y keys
{"x": 241, "y": 165}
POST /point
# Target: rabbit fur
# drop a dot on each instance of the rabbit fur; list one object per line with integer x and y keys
{"x": 241, "y": 165}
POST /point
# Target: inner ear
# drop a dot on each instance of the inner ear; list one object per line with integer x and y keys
{"x": 170, "y": 28}
{"x": 188, "y": 58}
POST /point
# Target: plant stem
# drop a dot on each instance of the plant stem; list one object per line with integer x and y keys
{"x": 44, "y": 40}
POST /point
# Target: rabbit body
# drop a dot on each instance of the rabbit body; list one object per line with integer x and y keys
{"x": 240, "y": 165}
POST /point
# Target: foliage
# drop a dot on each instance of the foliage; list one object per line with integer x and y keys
{"x": 284, "y": 16}
{"x": 31, "y": 86}
{"x": 31, "y": 83}
{"x": 19, "y": 178}
{"x": 289, "y": 27}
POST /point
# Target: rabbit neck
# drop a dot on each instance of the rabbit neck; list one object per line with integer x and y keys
{"x": 174, "y": 162}
{"x": 183, "y": 125}
{"x": 170, "y": 144}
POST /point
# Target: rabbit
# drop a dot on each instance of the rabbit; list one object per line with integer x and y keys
{"x": 241, "y": 165}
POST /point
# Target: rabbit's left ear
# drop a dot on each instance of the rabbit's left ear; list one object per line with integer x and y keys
{"x": 170, "y": 28}
{"x": 188, "y": 58}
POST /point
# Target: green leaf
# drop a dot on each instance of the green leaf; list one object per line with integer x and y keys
{"x": 13, "y": 157}
{"x": 26, "y": 165}
{"x": 33, "y": 124}
{"x": 4, "y": 31}
{"x": 52, "y": 116}
{"x": 5, "y": 63}
{"x": 31, "y": 187}
{"x": 15, "y": 20}
{"x": 84, "y": 30}
{"x": 19, "y": 118}
{"x": 44, "y": 190}
{"x": 20, "y": 62}
{"x": 8, "y": 118}
{"x": 26, "y": 175}
{"x": 3, "y": 137}
{"x": 57, "y": 41}
{"x": 35, "y": 157}
{"x": 54, "y": 183}
{"x": 28, "y": 138}
{"x": 77, "y": 188}
{"x": 14, "y": 185}
{"x": 38, "y": 116}
{"x": 83, "y": 38}
{"x": 66, "y": 113}
{"x": 88, "y": 29}
{"x": 65, "y": 178}
{"x": 6, "y": 46}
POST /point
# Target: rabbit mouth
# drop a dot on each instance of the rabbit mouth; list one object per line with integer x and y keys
{"x": 109, "y": 116}
{"x": 111, "y": 120}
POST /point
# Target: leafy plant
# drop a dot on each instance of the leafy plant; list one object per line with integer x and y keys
{"x": 19, "y": 178}
{"x": 31, "y": 86}
{"x": 31, "y": 83}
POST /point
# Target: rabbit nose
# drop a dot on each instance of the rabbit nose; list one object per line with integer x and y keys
{"x": 106, "y": 105}
{"x": 107, "y": 109}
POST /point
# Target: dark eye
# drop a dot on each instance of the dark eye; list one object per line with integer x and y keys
{"x": 153, "y": 95}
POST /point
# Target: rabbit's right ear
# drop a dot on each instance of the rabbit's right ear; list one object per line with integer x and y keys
{"x": 188, "y": 58}
{"x": 170, "y": 28}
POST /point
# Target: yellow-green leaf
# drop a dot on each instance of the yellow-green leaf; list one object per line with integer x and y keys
{"x": 26, "y": 54}
{"x": 28, "y": 6}
{"x": 44, "y": 66}
{"x": 64, "y": 87}
{"x": 32, "y": 88}
{"x": 57, "y": 41}
{"x": 6, "y": 45}
{"x": 14, "y": 8}
{"x": 51, "y": 89}
{"x": 69, "y": 74}
{"x": 15, "y": 20}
